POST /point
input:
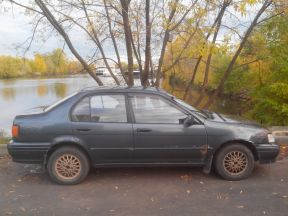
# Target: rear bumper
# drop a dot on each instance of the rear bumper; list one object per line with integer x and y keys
{"x": 33, "y": 153}
{"x": 267, "y": 153}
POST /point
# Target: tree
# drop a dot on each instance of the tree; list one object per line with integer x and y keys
{"x": 271, "y": 97}
{"x": 39, "y": 64}
{"x": 229, "y": 69}
{"x": 118, "y": 22}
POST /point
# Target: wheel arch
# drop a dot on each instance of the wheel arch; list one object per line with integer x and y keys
{"x": 67, "y": 143}
{"x": 241, "y": 142}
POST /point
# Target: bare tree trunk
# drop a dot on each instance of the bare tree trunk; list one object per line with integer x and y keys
{"x": 186, "y": 44}
{"x": 168, "y": 30}
{"x": 114, "y": 42}
{"x": 144, "y": 77}
{"x": 136, "y": 50}
{"x": 217, "y": 19}
{"x": 137, "y": 53}
{"x": 128, "y": 40}
{"x": 187, "y": 89}
{"x": 61, "y": 31}
{"x": 164, "y": 44}
{"x": 207, "y": 68}
{"x": 229, "y": 69}
{"x": 98, "y": 43}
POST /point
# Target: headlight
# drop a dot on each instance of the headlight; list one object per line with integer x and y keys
{"x": 271, "y": 138}
{"x": 262, "y": 137}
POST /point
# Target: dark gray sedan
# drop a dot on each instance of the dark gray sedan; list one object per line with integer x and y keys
{"x": 104, "y": 127}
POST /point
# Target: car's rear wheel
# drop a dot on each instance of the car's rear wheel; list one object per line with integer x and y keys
{"x": 68, "y": 165}
{"x": 234, "y": 162}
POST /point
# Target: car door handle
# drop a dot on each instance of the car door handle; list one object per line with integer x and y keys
{"x": 143, "y": 130}
{"x": 83, "y": 129}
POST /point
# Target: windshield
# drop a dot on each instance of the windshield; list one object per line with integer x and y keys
{"x": 185, "y": 104}
{"x": 59, "y": 102}
{"x": 199, "y": 113}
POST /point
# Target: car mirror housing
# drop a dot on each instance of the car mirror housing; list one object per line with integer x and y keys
{"x": 189, "y": 121}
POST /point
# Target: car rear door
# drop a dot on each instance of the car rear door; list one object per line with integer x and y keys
{"x": 101, "y": 122}
{"x": 160, "y": 135}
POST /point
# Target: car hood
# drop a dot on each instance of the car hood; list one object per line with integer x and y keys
{"x": 233, "y": 120}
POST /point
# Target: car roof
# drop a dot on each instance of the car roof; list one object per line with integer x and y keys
{"x": 126, "y": 89}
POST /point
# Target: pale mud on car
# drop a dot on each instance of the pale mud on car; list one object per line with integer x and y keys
{"x": 124, "y": 127}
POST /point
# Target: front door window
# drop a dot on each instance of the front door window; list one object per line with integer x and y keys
{"x": 155, "y": 110}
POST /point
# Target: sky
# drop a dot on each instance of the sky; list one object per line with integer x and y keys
{"x": 16, "y": 28}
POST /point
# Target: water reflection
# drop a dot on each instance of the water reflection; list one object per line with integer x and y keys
{"x": 199, "y": 99}
{"x": 42, "y": 89}
{"x": 8, "y": 93}
{"x": 60, "y": 89}
{"x": 23, "y": 94}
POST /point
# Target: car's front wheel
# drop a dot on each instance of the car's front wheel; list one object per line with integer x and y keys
{"x": 68, "y": 165}
{"x": 234, "y": 162}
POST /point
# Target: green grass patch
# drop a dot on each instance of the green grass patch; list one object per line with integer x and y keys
{"x": 4, "y": 138}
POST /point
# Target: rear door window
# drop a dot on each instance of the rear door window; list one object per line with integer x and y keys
{"x": 108, "y": 108}
{"x": 101, "y": 108}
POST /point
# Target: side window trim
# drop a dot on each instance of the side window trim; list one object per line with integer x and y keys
{"x": 130, "y": 95}
{"x": 75, "y": 105}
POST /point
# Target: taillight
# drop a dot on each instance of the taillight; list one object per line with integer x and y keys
{"x": 15, "y": 130}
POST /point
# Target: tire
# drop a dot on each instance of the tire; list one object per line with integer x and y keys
{"x": 68, "y": 166}
{"x": 234, "y": 162}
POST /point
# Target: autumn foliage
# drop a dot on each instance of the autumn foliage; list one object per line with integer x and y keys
{"x": 54, "y": 63}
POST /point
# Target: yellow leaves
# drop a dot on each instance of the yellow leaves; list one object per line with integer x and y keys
{"x": 243, "y": 5}
{"x": 39, "y": 64}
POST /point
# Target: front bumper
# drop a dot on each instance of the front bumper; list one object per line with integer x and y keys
{"x": 267, "y": 153}
{"x": 32, "y": 153}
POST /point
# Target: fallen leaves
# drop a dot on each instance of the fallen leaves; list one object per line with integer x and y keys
{"x": 222, "y": 196}
{"x": 283, "y": 152}
{"x": 186, "y": 177}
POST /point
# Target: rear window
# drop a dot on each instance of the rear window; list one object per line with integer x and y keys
{"x": 59, "y": 102}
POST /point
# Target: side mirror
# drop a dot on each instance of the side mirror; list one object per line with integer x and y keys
{"x": 189, "y": 121}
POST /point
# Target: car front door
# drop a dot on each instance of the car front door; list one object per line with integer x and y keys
{"x": 160, "y": 135}
{"x": 100, "y": 121}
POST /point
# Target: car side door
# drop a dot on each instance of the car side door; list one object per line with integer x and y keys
{"x": 160, "y": 135}
{"x": 101, "y": 122}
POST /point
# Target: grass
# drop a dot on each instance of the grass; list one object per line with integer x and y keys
{"x": 4, "y": 138}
